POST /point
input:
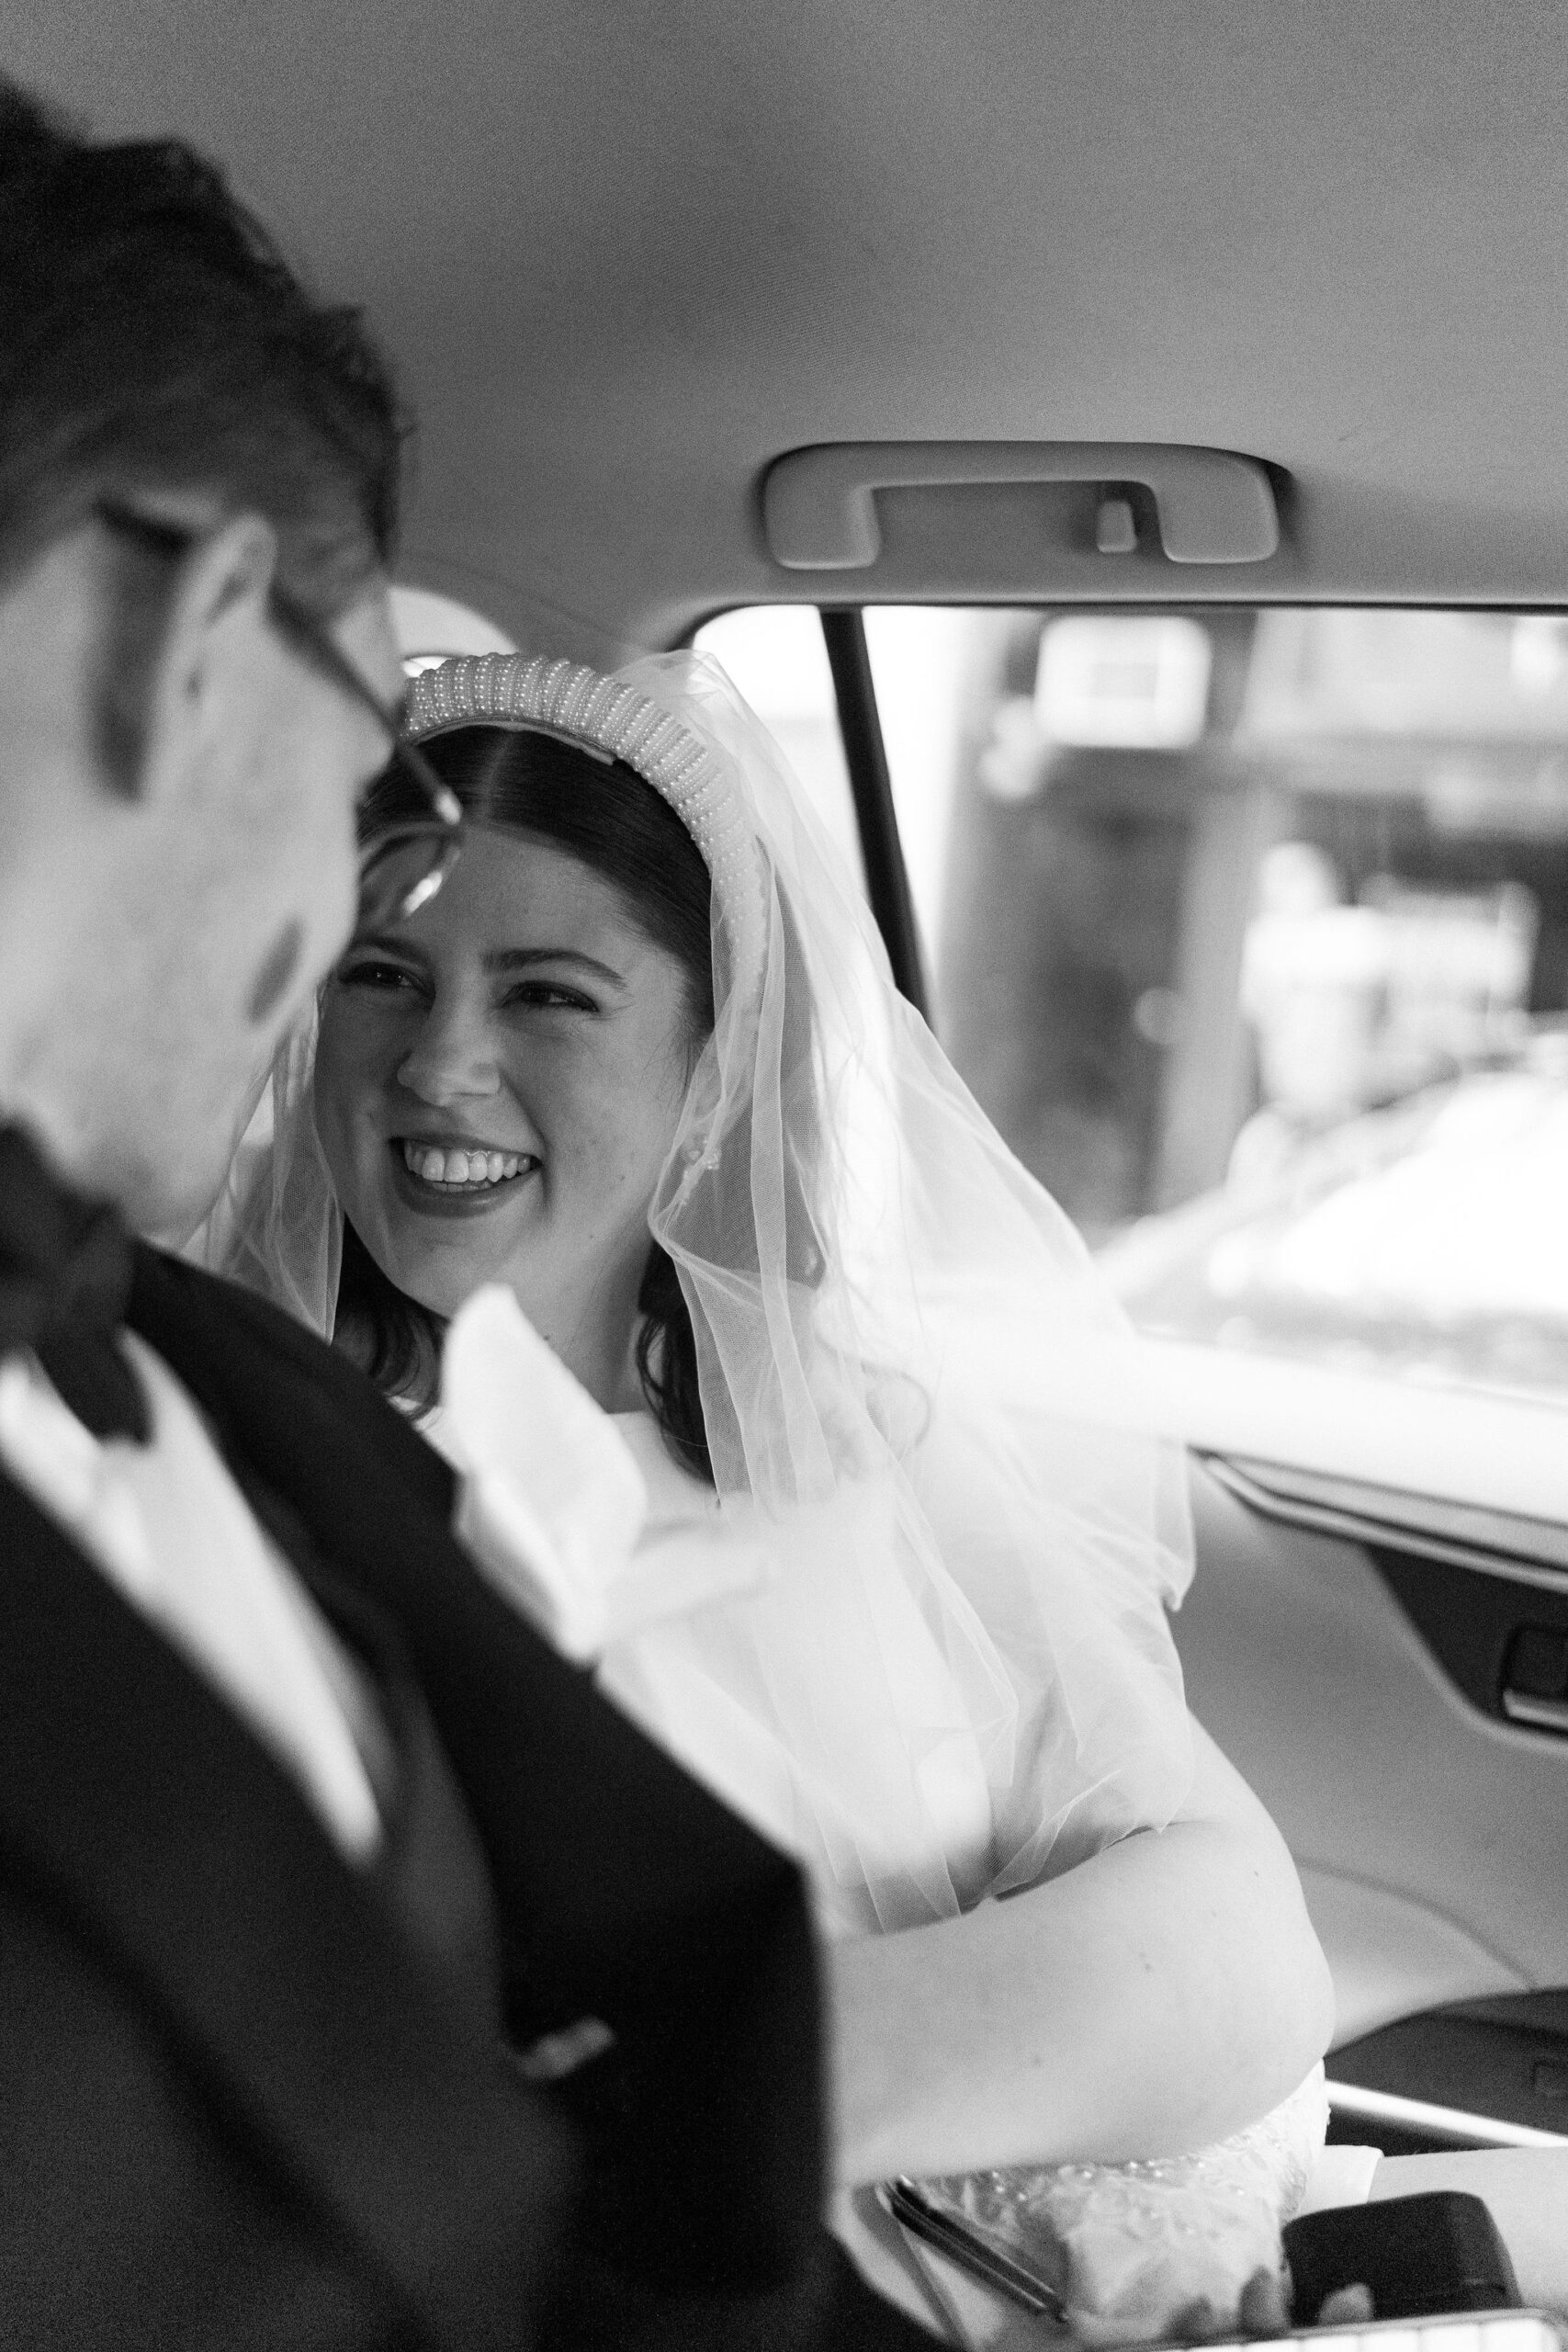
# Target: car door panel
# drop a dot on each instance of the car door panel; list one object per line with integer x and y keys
{"x": 1431, "y": 1837}
{"x": 1393, "y": 1957}
{"x": 1505, "y": 2057}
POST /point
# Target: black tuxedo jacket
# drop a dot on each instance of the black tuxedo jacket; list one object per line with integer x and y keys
{"x": 238, "y": 2106}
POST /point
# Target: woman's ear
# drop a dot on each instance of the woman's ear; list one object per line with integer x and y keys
{"x": 205, "y": 693}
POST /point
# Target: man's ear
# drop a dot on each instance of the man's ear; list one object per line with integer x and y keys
{"x": 202, "y": 682}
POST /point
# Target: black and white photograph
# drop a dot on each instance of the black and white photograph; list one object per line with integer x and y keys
{"x": 783, "y": 1176}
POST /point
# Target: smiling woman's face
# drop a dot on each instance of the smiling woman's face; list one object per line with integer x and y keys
{"x": 498, "y": 1083}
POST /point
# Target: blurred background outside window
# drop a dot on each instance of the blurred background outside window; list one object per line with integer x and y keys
{"x": 1249, "y": 929}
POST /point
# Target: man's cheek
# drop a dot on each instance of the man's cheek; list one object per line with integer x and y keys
{"x": 277, "y": 973}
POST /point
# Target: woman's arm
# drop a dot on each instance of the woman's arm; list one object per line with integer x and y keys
{"x": 1155, "y": 1998}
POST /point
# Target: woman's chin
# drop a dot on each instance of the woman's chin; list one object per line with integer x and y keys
{"x": 440, "y": 1279}
{"x": 439, "y": 1242}
{"x": 439, "y": 1269}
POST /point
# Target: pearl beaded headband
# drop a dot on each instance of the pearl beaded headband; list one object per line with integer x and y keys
{"x": 610, "y": 720}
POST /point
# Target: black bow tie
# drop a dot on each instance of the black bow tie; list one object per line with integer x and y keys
{"x": 65, "y": 1267}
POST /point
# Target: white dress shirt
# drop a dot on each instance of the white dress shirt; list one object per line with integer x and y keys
{"x": 168, "y": 1527}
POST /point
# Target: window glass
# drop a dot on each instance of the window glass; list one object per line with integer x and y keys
{"x": 1250, "y": 931}
{"x": 921, "y": 664}
{"x": 776, "y": 657}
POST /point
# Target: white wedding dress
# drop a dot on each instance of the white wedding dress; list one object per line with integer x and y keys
{"x": 712, "y": 1629}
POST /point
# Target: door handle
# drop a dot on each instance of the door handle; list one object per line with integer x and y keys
{"x": 820, "y": 504}
{"x": 1495, "y": 1620}
{"x": 1535, "y": 1678}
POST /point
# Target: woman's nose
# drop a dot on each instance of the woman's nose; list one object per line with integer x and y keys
{"x": 451, "y": 1058}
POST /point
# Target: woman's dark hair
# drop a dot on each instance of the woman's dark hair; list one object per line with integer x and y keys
{"x": 605, "y": 814}
{"x": 156, "y": 342}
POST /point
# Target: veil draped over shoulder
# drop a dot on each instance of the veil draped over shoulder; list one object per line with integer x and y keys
{"x": 917, "y": 1389}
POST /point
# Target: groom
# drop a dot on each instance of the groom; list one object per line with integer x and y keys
{"x": 318, "y": 1871}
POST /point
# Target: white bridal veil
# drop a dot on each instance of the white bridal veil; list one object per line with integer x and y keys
{"x": 914, "y": 1382}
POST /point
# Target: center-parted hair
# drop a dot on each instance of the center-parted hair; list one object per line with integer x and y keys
{"x": 606, "y": 816}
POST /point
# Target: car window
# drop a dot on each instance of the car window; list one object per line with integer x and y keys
{"x": 1249, "y": 929}
{"x": 776, "y": 657}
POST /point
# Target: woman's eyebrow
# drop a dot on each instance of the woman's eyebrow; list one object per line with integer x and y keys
{"x": 383, "y": 944}
{"x": 519, "y": 959}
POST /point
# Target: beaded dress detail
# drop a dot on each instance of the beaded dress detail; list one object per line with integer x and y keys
{"x": 1126, "y": 2244}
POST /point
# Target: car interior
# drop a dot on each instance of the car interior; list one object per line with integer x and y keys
{"x": 1112, "y": 447}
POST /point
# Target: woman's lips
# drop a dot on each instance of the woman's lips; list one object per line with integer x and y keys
{"x": 446, "y": 1165}
{"x": 454, "y": 1192}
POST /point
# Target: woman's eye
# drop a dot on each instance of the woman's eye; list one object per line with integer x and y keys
{"x": 371, "y": 975}
{"x": 549, "y": 996}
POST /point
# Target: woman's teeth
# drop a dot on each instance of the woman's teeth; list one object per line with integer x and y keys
{"x": 477, "y": 1168}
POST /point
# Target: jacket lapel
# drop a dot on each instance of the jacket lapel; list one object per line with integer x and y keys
{"x": 136, "y": 1803}
{"x": 555, "y": 1776}
{"x": 624, "y": 1890}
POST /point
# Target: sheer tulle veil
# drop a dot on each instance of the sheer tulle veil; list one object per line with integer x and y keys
{"x": 907, "y": 1358}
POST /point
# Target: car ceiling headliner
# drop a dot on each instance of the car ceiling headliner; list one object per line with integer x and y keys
{"x": 626, "y": 252}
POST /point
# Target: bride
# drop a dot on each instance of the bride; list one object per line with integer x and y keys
{"x": 816, "y": 1431}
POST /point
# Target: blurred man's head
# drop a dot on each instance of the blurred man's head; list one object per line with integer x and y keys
{"x": 191, "y": 452}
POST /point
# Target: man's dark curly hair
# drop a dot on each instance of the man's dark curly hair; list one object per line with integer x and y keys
{"x": 156, "y": 343}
